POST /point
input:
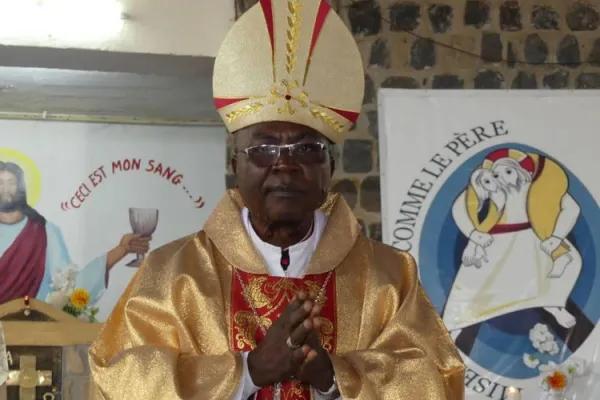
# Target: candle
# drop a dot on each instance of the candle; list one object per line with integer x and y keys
{"x": 513, "y": 394}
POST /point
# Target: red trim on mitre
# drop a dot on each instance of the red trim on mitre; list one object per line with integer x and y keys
{"x": 322, "y": 14}
{"x": 220, "y": 103}
{"x": 349, "y": 115}
{"x": 267, "y": 9}
{"x": 526, "y": 163}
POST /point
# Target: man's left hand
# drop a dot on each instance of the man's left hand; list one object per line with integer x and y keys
{"x": 318, "y": 372}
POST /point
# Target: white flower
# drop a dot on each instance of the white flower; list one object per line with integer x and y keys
{"x": 544, "y": 384}
{"x": 549, "y": 347}
{"x": 576, "y": 366}
{"x": 64, "y": 278}
{"x": 543, "y": 340}
{"x": 540, "y": 333}
{"x": 554, "y": 378}
{"x": 58, "y": 299}
{"x": 63, "y": 285}
{"x": 551, "y": 366}
{"x": 530, "y": 361}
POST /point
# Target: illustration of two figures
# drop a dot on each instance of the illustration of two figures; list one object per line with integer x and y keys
{"x": 34, "y": 259}
{"x": 516, "y": 213}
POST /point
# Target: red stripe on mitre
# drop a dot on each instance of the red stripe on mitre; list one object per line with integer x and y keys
{"x": 267, "y": 9}
{"x": 349, "y": 115}
{"x": 498, "y": 154}
{"x": 322, "y": 14}
{"x": 220, "y": 103}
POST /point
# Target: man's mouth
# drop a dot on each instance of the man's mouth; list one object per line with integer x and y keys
{"x": 285, "y": 195}
{"x": 285, "y": 192}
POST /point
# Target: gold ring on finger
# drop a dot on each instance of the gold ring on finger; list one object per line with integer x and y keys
{"x": 290, "y": 344}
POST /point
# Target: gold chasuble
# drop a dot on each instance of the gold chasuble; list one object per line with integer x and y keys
{"x": 178, "y": 330}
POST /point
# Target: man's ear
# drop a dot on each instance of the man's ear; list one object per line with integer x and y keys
{"x": 234, "y": 165}
{"x": 231, "y": 142}
{"x": 331, "y": 164}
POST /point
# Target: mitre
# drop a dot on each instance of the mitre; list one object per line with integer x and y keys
{"x": 292, "y": 61}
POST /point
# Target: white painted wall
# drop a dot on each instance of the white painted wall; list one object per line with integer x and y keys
{"x": 181, "y": 27}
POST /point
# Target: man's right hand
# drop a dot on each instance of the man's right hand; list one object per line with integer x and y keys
{"x": 273, "y": 360}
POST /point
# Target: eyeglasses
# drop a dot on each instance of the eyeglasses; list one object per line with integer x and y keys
{"x": 265, "y": 155}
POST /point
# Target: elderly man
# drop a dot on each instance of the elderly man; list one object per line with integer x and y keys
{"x": 279, "y": 296}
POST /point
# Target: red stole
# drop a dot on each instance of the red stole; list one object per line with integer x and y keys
{"x": 270, "y": 296}
{"x": 23, "y": 264}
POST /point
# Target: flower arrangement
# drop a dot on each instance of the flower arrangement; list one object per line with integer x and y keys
{"x": 557, "y": 380}
{"x": 543, "y": 340}
{"x": 72, "y": 300}
{"x": 78, "y": 305}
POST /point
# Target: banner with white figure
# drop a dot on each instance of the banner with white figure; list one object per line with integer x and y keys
{"x": 496, "y": 194}
{"x": 81, "y": 204}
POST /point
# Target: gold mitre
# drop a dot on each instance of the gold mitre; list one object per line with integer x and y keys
{"x": 289, "y": 60}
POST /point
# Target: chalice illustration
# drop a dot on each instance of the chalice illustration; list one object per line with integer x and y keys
{"x": 143, "y": 222}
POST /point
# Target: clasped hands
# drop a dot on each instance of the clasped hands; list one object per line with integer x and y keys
{"x": 474, "y": 253}
{"x": 292, "y": 349}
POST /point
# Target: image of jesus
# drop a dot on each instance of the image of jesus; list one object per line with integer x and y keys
{"x": 518, "y": 256}
{"x": 33, "y": 252}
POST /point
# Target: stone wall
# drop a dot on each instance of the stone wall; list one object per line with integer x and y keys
{"x": 457, "y": 44}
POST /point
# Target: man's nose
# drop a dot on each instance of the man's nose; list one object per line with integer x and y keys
{"x": 285, "y": 158}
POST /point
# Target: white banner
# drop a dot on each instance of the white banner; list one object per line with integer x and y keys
{"x": 77, "y": 200}
{"x": 494, "y": 193}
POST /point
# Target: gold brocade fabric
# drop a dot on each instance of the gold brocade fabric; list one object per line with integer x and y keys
{"x": 168, "y": 336}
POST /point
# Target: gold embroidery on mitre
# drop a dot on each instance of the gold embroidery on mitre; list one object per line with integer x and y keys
{"x": 289, "y": 94}
{"x": 243, "y": 111}
{"x": 245, "y": 327}
{"x": 293, "y": 35}
{"x": 329, "y": 120}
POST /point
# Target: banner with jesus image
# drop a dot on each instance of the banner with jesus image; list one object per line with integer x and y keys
{"x": 495, "y": 195}
{"x": 81, "y": 204}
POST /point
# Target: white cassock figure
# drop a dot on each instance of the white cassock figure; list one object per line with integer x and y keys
{"x": 517, "y": 257}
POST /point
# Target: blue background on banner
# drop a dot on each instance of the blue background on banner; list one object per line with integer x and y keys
{"x": 502, "y": 341}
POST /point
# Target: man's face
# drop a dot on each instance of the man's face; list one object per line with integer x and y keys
{"x": 8, "y": 189}
{"x": 507, "y": 176}
{"x": 287, "y": 188}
